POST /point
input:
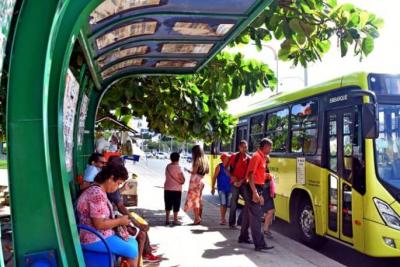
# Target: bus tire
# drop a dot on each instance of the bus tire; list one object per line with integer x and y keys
{"x": 306, "y": 225}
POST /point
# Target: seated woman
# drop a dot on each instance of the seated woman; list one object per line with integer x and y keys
{"x": 95, "y": 210}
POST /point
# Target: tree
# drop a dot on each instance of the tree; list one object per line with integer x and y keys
{"x": 306, "y": 27}
{"x": 194, "y": 106}
{"x": 189, "y": 106}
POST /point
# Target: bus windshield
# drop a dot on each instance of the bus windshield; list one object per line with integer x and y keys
{"x": 388, "y": 145}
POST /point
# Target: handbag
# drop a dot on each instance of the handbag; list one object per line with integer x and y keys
{"x": 120, "y": 230}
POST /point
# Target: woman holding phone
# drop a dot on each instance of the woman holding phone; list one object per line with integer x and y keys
{"x": 194, "y": 197}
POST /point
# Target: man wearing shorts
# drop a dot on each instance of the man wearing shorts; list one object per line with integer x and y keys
{"x": 269, "y": 205}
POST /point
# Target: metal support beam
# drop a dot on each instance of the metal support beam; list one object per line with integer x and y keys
{"x": 36, "y": 226}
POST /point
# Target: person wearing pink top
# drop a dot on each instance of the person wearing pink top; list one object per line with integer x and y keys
{"x": 95, "y": 210}
{"x": 174, "y": 180}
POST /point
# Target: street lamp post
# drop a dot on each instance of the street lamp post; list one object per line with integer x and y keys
{"x": 305, "y": 79}
{"x": 276, "y": 62}
{"x": 305, "y": 76}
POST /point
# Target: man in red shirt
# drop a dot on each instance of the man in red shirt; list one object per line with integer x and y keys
{"x": 252, "y": 212}
{"x": 238, "y": 167}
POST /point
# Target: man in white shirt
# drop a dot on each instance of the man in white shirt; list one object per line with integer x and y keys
{"x": 101, "y": 144}
{"x": 95, "y": 163}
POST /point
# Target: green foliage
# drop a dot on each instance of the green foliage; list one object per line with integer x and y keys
{"x": 193, "y": 106}
{"x": 306, "y": 27}
{"x": 190, "y": 106}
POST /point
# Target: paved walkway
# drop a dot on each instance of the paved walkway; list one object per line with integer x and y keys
{"x": 3, "y": 177}
{"x": 211, "y": 244}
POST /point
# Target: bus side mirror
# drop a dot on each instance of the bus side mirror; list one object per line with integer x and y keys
{"x": 370, "y": 123}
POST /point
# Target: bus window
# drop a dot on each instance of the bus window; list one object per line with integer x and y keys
{"x": 388, "y": 145}
{"x": 277, "y": 129}
{"x": 347, "y": 145}
{"x": 226, "y": 146}
{"x": 256, "y": 132}
{"x": 304, "y": 118}
{"x": 385, "y": 84}
{"x": 347, "y": 227}
{"x": 332, "y": 143}
{"x": 241, "y": 134}
{"x": 333, "y": 203}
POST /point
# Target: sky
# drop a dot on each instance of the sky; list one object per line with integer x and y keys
{"x": 384, "y": 59}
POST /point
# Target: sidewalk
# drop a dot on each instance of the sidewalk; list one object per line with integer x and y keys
{"x": 211, "y": 244}
{"x": 3, "y": 177}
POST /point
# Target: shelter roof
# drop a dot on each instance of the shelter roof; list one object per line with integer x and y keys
{"x": 126, "y": 37}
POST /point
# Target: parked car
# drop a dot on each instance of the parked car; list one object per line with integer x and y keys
{"x": 187, "y": 157}
{"x": 162, "y": 155}
{"x": 149, "y": 155}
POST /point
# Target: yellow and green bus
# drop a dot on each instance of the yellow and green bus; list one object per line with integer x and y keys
{"x": 336, "y": 159}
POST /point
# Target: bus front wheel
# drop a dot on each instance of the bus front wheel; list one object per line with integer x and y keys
{"x": 306, "y": 225}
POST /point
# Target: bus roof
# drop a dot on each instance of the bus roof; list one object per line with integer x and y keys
{"x": 354, "y": 79}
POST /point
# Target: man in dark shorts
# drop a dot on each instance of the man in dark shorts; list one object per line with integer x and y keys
{"x": 252, "y": 212}
{"x": 269, "y": 205}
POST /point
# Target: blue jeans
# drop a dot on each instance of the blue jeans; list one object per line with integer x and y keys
{"x": 118, "y": 246}
{"x": 224, "y": 198}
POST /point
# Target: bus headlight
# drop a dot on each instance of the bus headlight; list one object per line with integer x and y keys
{"x": 390, "y": 242}
{"x": 389, "y": 216}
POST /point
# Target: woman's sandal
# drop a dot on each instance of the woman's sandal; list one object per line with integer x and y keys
{"x": 197, "y": 223}
{"x": 268, "y": 234}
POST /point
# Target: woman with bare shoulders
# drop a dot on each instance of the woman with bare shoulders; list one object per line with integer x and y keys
{"x": 194, "y": 197}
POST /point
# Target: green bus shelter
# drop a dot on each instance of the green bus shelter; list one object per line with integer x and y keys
{"x": 53, "y": 94}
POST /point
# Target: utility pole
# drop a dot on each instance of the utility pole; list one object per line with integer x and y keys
{"x": 305, "y": 77}
{"x": 276, "y": 64}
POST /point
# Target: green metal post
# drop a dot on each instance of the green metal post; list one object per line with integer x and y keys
{"x": 42, "y": 219}
{"x": 36, "y": 226}
{"x": 66, "y": 27}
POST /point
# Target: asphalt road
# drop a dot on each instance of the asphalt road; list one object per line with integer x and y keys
{"x": 336, "y": 251}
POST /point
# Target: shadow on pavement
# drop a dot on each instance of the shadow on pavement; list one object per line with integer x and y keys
{"x": 225, "y": 248}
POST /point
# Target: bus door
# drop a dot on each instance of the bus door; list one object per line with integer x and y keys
{"x": 342, "y": 140}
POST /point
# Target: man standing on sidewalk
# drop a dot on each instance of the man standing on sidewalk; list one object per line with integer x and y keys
{"x": 252, "y": 212}
{"x": 238, "y": 166}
